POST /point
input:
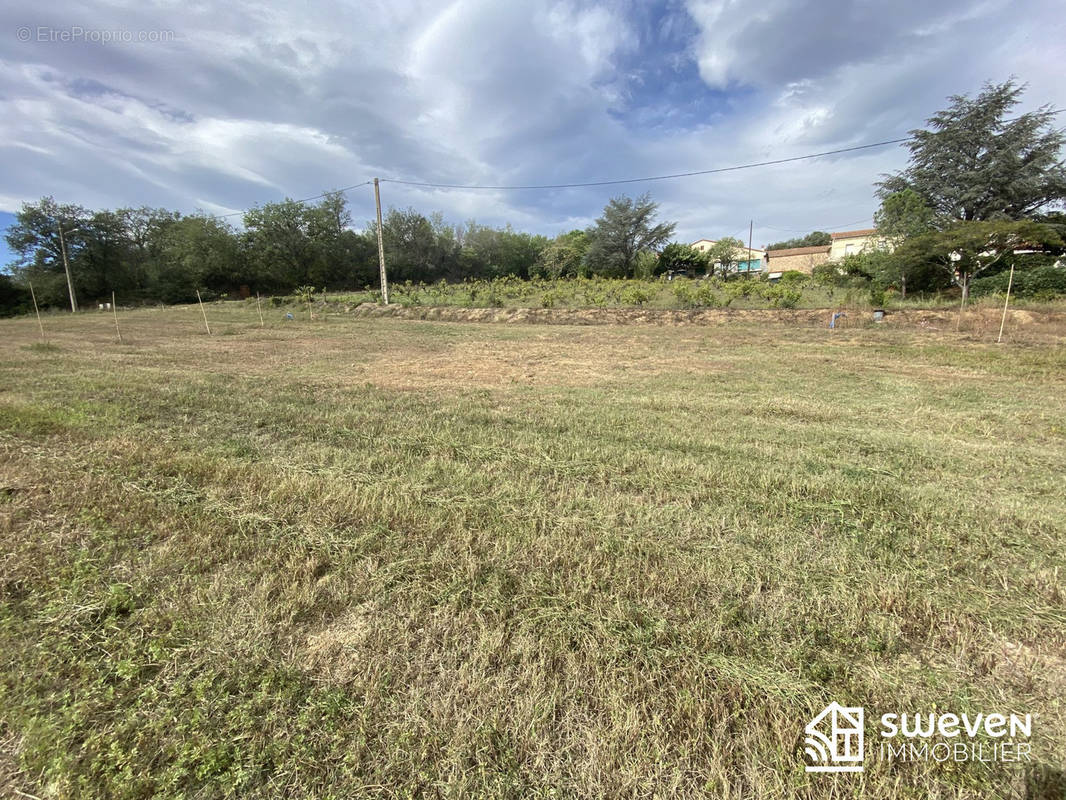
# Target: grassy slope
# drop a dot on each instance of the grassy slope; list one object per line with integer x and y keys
{"x": 376, "y": 557}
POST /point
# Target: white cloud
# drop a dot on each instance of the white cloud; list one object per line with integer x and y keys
{"x": 251, "y": 103}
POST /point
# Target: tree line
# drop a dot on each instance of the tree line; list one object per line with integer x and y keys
{"x": 154, "y": 254}
{"x": 979, "y": 188}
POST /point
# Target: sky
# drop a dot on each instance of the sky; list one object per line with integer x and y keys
{"x": 218, "y": 106}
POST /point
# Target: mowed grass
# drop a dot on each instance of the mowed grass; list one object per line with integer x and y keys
{"x": 384, "y": 558}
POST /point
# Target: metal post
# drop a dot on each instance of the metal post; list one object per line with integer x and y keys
{"x": 381, "y": 247}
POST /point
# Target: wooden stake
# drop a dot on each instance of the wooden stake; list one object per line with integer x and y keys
{"x": 202, "y": 309}
{"x": 259, "y": 305}
{"x": 38, "y": 312}
{"x": 1003, "y": 321}
{"x": 962, "y": 307}
{"x": 114, "y": 308}
{"x": 310, "y": 313}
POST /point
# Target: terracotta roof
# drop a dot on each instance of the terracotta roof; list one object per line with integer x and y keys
{"x": 798, "y": 251}
{"x": 853, "y": 234}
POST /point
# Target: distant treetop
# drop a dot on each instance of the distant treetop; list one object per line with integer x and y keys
{"x": 812, "y": 239}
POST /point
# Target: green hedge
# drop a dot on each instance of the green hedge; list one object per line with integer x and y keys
{"x": 1038, "y": 283}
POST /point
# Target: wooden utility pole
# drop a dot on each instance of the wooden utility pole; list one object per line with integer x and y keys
{"x": 381, "y": 247}
{"x": 37, "y": 311}
{"x": 751, "y": 227}
{"x": 1003, "y": 321}
{"x": 66, "y": 268}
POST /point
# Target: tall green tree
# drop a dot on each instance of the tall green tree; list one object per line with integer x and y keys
{"x": 563, "y": 256}
{"x": 902, "y": 216}
{"x": 195, "y": 253}
{"x": 35, "y": 240}
{"x": 977, "y": 162}
{"x": 278, "y": 244}
{"x": 725, "y": 253}
{"x": 143, "y": 232}
{"x": 412, "y": 250}
{"x": 626, "y": 229}
{"x": 677, "y": 257}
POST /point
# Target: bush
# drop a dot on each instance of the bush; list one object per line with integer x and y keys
{"x": 785, "y": 297}
{"x": 827, "y": 274}
{"x": 1038, "y": 283}
{"x": 14, "y": 299}
{"x": 793, "y": 276}
{"x": 550, "y": 298}
{"x": 634, "y": 296}
{"x": 684, "y": 294}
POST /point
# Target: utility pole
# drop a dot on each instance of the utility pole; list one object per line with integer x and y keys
{"x": 381, "y": 247}
{"x": 66, "y": 268}
{"x": 751, "y": 227}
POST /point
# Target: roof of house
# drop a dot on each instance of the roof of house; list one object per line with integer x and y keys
{"x": 798, "y": 251}
{"x": 853, "y": 234}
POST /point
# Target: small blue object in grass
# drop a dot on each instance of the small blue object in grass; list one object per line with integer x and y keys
{"x": 836, "y": 315}
{"x": 289, "y": 316}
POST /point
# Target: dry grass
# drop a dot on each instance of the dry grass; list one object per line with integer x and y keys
{"x": 385, "y": 557}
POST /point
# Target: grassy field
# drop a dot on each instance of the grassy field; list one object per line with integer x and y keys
{"x": 384, "y": 558}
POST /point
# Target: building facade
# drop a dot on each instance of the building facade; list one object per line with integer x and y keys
{"x": 848, "y": 243}
{"x": 801, "y": 259}
{"x": 748, "y": 260}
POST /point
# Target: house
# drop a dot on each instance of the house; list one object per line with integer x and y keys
{"x": 847, "y": 243}
{"x": 800, "y": 259}
{"x": 748, "y": 259}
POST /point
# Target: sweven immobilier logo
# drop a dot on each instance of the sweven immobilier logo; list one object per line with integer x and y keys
{"x": 834, "y": 739}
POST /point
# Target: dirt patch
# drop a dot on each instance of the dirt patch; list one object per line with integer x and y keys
{"x": 1021, "y": 324}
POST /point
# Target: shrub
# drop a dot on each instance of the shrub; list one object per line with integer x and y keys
{"x": 705, "y": 296}
{"x": 785, "y": 297}
{"x": 14, "y": 299}
{"x": 550, "y": 298}
{"x": 1038, "y": 283}
{"x": 634, "y": 296}
{"x": 826, "y": 274}
{"x": 684, "y": 294}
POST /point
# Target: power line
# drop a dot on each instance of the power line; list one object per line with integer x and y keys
{"x": 600, "y": 183}
{"x": 619, "y": 181}
{"x": 653, "y": 177}
{"x": 304, "y": 200}
{"x": 816, "y": 227}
